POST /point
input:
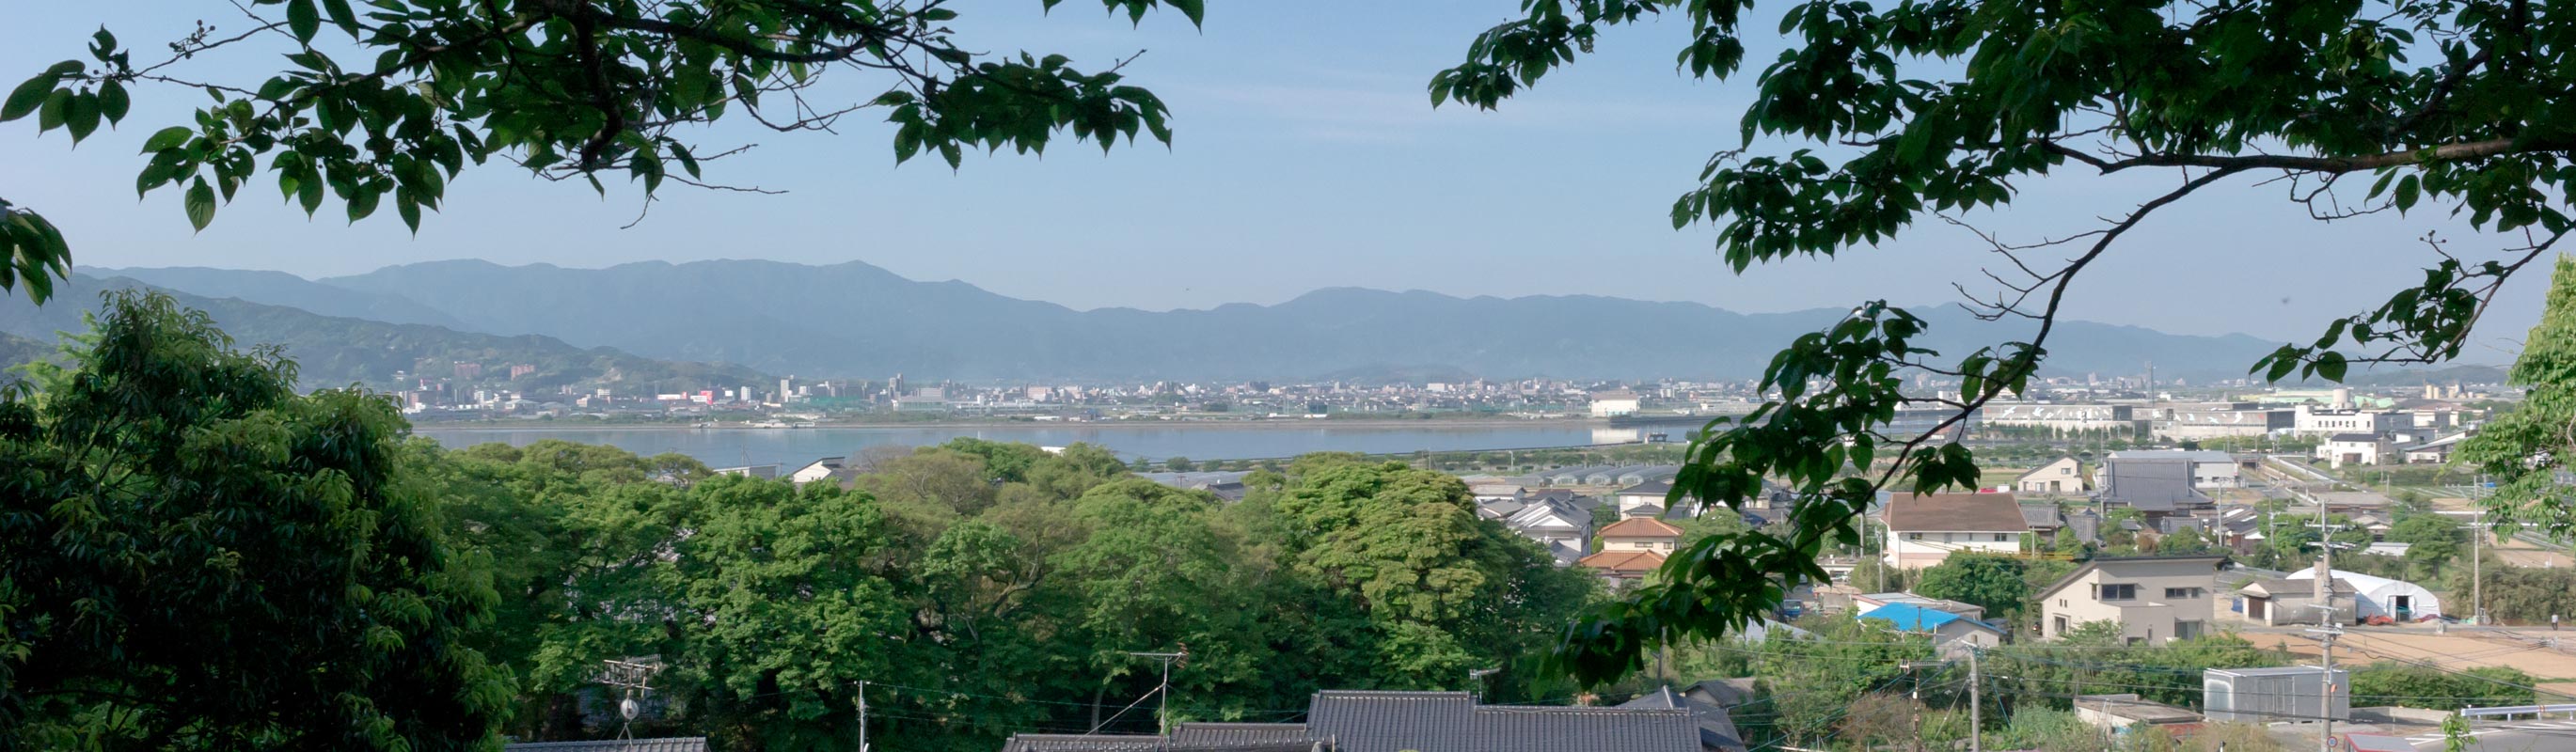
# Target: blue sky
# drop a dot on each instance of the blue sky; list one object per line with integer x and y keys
{"x": 1307, "y": 156}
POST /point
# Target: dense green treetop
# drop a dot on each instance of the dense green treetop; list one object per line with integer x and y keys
{"x": 386, "y": 101}
{"x": 2524, "y": 450}
{"x": 1923, "y": 111}
{"x": 1993, "y": 581}
{"x": 199, "y": 558}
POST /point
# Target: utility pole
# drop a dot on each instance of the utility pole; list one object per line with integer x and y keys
{"x": 1976, "y": 707}
{"x": 2325, "y": 700}
{"x": 863, "y": 715}
{"x": 1163, "y": 691}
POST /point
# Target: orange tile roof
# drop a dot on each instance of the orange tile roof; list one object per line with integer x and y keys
{"x": 1641, "y": 527}
{"x": 1623, "y": 562}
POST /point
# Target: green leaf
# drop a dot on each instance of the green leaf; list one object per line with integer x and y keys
{"x": 2330, "y": 364}
{"x": 167, "y": 138}
{"x": 341, "y": 16}
{"x": 83, "y": 118}
{"x": 58, "y": 105}
{"x": 113, "y": 102}
{"x": 303, "y": 19}
{"x": 200, "y": 204}
{"x": 1195, "y": 10}
{"x": 27, "y": 97}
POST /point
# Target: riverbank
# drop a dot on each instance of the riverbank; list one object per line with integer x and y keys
{"x": 1368, "y": 423}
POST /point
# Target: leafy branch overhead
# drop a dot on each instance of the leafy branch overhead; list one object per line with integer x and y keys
{"x": 1927, "y": 110}
{"x": 566, "y": 89}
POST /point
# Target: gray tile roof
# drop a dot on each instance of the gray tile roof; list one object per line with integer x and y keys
{"x": 667, "y": 744}
{"x": 1239, "y": 733}
{"x": 1716, "y": 729}
{"x": 2150, "y": 485}
{"x": 1452, "y": 722}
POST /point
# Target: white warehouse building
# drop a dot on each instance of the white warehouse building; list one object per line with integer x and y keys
{"x": 2379, "y": 596}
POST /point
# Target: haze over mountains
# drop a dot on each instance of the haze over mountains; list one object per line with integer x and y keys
{"x": 858, "y": 320}
{"x": 338, "y": 350}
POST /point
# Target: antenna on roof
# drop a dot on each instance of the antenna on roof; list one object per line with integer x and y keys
{"x": 634, "y": 680}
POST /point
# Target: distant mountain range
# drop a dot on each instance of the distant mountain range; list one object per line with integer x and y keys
{"x": 341, "y": 350}
{"x": 858, "y": 320}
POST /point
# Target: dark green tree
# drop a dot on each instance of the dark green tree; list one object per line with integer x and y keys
{"x": 565, "y": 90}
{"x": 1919, "y": 112}
{"x": 199, "y": 558}
{"x": 1988, "y": 580}
{"x": 2525, "y": 449}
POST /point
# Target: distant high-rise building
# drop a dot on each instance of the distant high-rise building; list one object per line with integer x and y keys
{"x": 894, "y": 386}
{"x": 521, "y": 369}
{"x": 785, "y": 388}
{"x": 469, "y": 370}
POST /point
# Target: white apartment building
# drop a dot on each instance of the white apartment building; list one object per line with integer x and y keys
{"x": 1924, "y": 529}
{"x": 1614, "y": 403}
{"x": 2311, "y": 419}
{"x": 2154, "y": 599}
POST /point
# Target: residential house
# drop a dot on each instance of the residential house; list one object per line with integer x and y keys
{"x": 2154, "y": 599}
{"x": 1950, "y": 632}
{"x": 1380, "y": 721}
{"x": 1562, "y": 528}
{"x": 1641, "y": 534}
{"x": 2280, "y": 601}
{"x": 1924, "y": 529}
{"x": 2043, "y": 519}
{"x": 1623, "y": 566}
{"x": 1716, "y": 727}
{"x": 2062, "y": 476}
{"x": 2357, "y": 449}
{"x": 753, "y": 471}
{"x": 2435, "y": 451}
{"x": 814, "y": 471}
{"x": 1634, "y": 501}
{"x": 2154, "y": 487}
{"x": 1866, "y": 602}
{"x": 2210, "y": 469}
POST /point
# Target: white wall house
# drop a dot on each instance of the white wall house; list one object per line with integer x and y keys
{"x": 2154, "y": 599}
{"x": 2357, "y": 449}
{"x": 816, "y": 470}
{"x": 2311, "y": 419}
{"x": 1924, "y": 529}
{"x": 2062, "y": 477}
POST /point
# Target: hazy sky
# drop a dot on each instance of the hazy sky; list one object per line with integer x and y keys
{"x": 1308, "y": 156}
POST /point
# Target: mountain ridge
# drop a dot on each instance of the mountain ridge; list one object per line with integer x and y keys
{"x": 855, "y": 319}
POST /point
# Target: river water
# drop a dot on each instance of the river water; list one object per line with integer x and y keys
{"x": 733, "y": 446}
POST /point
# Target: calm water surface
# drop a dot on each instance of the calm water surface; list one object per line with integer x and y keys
{"x": 727, "y": 447}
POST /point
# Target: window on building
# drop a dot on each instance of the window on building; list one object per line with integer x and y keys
{"x": 2184, "y": 630}
{"x": 1914, "y": 536}
{"x": 2122, "y": 592}
{"x": 2059, "y": 623}
{"x": 2182, "y": 592}
{"x": 2003, "y": 537}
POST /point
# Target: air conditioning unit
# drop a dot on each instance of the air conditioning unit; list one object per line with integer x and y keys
{"x": 2292, "y": 694}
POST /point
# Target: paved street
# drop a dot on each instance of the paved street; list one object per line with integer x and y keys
{"x": 2557, "y": 735}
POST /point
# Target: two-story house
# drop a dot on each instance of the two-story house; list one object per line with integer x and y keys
{"x": 2063, "y": 476}
{"x": 1641, "y": 534}
{"x": 2154, "y": 599}
{"x": 1924, "y": 529}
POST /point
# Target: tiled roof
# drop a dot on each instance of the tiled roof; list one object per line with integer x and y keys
{"x": 1623, "y": 561}
{"x": 1238, "y": 733}
{"x": 2357, "y": 438}
{"x": 1452, "y": 722}
{"x": 1968, "y": 512}
{"x": 2150, "y": 485}
{"x": 1641, "y": 527}
{"x": 1142, "y": 743}
{"x": 667, "y": 744}
{"x": 2038, "y": 516}
{"x": 1716, "y": 729}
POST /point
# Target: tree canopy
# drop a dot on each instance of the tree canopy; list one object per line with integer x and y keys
{"x": 1911, "y": 113}
{"x": 2525, "y": 450}
{"x": 419, "y": 89}
{"x": 199, "y": 558}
